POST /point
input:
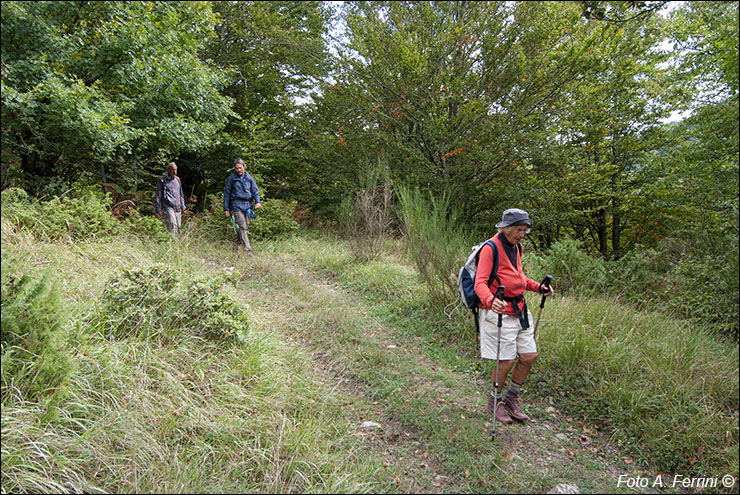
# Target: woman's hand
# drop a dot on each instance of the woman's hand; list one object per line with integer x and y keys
{"x": 498, "y": 305}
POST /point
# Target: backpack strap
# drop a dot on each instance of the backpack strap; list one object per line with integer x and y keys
{"x": 494, "y": 272}
{"x": 491, "y": 278}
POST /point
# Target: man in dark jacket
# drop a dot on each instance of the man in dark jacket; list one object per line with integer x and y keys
{"x": 240, "y": 195}
{"x": 169, "y": 199}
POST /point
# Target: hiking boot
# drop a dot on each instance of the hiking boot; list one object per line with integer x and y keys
{"x": 501, "y": 413}
{"x": 512, "y": 404}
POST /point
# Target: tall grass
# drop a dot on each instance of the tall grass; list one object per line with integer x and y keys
{"x": 666, "y": 389}
{"x": 175, "y": 406}
{"x": 435, "y": 241}
{"x": 178, "y": 408}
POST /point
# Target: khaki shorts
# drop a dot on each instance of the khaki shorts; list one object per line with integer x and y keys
{"x": 514, "y": 340}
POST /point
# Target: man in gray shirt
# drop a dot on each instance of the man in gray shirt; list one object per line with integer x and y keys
{"x": 169, "y": 199}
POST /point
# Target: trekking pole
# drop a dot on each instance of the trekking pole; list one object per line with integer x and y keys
{"x": 500, "y": 295}
{"x": 545, "y": 283}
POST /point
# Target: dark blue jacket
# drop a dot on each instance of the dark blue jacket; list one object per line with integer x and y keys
{"x": 240, "y": 193}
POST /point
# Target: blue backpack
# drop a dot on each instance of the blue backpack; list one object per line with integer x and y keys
{"x": 466, "y": 278}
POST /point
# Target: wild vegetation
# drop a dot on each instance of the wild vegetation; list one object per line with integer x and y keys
{"x": 176, "y": 366}
{"x": 398, "y": 132}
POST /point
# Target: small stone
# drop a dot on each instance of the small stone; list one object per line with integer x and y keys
{"x": 551, "y": 410}
{"x": 369, "y": 425}
{"x": 564, "y": 488}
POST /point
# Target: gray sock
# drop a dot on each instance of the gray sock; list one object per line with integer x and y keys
{"x": 514, "y": 389}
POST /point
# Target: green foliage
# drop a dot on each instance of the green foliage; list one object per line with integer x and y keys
{"x": 151, "y": 304}
{"x": 139, "y": 302}
{"x": 273, "y": 220}
{"x": 64, "y": 218}
{"x": 666, "y": 390}
{"x": 147, "y": 227}
{"x": 211, "y": 223}
{"x": 435, "y": 241}
{"x": 37, "y": 362}
{"x": 673, "y": 278}
{"x": 574, "y": 270}
{"x": 87, "y": 86}
{"x": 212, "y": 313}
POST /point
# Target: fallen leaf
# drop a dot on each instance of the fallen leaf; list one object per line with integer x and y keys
{"x": 693, "y": 459}
{"x": 628, "y": 461}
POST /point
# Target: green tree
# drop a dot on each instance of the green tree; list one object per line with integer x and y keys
{"x": 86, "y": 85}
{"x": 458, "y": 96}
{"x": 614, "y": 117}
{"x": 274, "y": 53}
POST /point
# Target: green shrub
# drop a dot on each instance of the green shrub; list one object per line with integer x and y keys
{"x": 147, "y": 227}
{"x": 14, "y": 196}
{"x": 435, "y": 242}
{"x": 139, "y": 302}
{"x": 675, "y": 277}
{"x": 211, "y": 223}
{"x": 575, "y": 270}
{"x": 150, "y": 303}
{"x": 211, "y": 313}
{"x": 36, "y": 360}
{"x": 87, "y": 216}
{"x": 273, "y": 220}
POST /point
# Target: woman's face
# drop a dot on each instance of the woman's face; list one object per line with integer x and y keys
{"x": 515, "y": 235}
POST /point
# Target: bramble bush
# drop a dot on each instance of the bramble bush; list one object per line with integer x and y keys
{"x": 671, "y": 278}
{"x": 274, "y": 220}
{"x": 147, "y": 227}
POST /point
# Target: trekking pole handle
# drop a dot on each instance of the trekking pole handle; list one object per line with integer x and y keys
{"x": 500, "y": 295}
{"x": 545, "y": 283}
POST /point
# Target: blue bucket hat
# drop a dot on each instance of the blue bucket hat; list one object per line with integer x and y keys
{"x": 514, "y": 216}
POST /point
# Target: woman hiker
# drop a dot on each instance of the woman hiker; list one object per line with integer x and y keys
{"x": 517, "y": 333}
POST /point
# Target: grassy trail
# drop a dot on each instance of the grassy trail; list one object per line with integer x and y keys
{"x": 333, "y": 343}
{"x": 434, "y": 433}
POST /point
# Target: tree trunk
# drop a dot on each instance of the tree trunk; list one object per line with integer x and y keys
{"x": 616, "y": 230}
{"x": 602, "y": 232}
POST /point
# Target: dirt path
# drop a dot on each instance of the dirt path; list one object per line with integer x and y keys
{"x": 451, "y": 451}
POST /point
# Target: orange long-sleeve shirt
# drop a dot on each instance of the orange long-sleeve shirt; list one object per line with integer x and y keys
{"x": 512, "y": 277}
